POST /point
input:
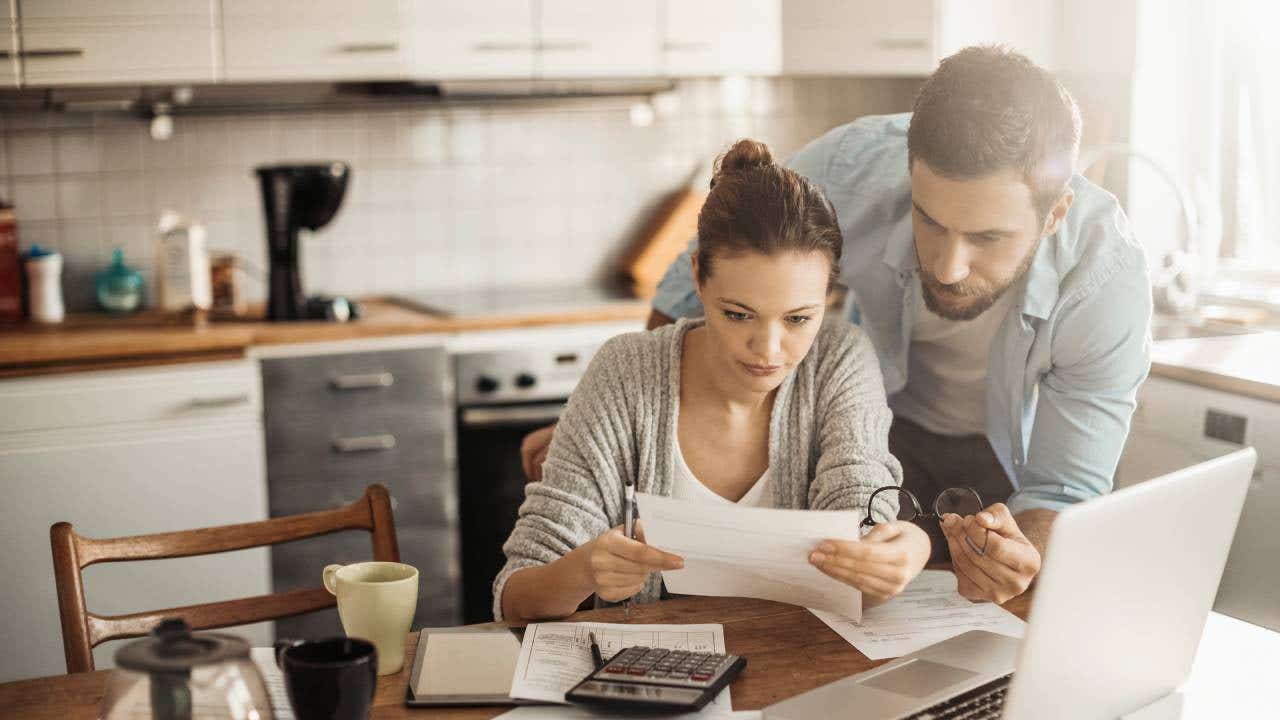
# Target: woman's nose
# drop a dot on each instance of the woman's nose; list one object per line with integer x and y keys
{"x": 767, "y": 342}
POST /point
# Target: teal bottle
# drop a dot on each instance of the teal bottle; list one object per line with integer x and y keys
{"x": 119, "y": 286}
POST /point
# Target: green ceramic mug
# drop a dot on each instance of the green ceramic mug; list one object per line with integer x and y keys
{"x": 376, "y": 601}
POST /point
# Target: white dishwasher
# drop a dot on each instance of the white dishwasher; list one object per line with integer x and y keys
{"x": 126, "y": 452}
{"x": 1215, "y": 406}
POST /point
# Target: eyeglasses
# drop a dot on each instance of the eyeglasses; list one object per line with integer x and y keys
{"x": 961, "y": 501}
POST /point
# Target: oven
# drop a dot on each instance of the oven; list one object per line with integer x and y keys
{"x": 502, "y": 396}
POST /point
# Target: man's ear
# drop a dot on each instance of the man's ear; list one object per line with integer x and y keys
{"x": 1058, "y": 213}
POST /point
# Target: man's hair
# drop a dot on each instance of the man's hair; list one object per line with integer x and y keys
{"x": 986, "y": 109}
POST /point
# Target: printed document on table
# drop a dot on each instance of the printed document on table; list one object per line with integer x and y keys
{"x": 928, "y": 611}
{"x": 750, "y": 552}
{"x": 556, "y": 656}
{"x": 265, "y": 659}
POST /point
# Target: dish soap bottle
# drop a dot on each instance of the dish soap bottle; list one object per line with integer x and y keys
{"x": 119, "y": 287}
{"x": 44, "y": 285}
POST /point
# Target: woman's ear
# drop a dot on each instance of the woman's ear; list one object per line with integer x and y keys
{"x": 697, "y": 281}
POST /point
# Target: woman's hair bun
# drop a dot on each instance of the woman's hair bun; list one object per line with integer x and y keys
{"x": 745, "y": 155}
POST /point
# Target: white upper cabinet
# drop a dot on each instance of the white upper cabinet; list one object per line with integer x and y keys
{"x": 475, "y": 39}
{"x": 591, "y": 38}
{"x": 68, "y": 42}
{"x": 312, "y": 40}
{"x": 9, "y": 68}
{"x": 722, "y": 37}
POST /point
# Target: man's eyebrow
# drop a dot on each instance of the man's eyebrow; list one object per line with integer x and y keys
{"x": 748, "y": 308}
{"x": 996, "y": 232}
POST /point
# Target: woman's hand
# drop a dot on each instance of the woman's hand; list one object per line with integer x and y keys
{"x": 880, "y": 564}
{"x": 618, "y": 566}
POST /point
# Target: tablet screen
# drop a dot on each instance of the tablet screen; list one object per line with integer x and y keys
{"x": 467, "y": 663}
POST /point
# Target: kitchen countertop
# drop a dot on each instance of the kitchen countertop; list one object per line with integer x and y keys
{"x": 96, "y": 341}
{"x": 1239, "y": 364}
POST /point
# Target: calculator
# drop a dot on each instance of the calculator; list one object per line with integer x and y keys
{"x": 659, "y": 679}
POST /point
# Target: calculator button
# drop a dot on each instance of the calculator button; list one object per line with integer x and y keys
{"x": 637, "y": 670}
{"x": 701, "y": 676}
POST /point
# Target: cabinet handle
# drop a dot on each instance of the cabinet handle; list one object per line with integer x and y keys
{"x": 502, "y": 47}
{"x": 363, "y": 381}
{"x": 219, "y": 401}
{"x": 685, "y": 46}
{"x": 902, "y": 44}
{"x": 365, "y": 443}
{"x": 369, "y": 47}
{"x": 571, "y": 45}
{"x": 51, "y": 53}
{"x": 493, "y": 417}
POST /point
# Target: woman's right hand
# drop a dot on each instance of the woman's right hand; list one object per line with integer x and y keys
{"x": 618, "y": 566}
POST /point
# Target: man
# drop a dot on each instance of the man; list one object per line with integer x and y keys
{"x": 1008, "y": 303}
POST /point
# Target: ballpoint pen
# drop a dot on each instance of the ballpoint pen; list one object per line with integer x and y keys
{"x": 595, "y": 651}
{"x": 628, "y": 526}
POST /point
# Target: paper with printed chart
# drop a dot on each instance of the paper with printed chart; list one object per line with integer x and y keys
{"x": 753, "y": 552}
{"x": 556, "y": 656}
{"x": 928, "y": 611}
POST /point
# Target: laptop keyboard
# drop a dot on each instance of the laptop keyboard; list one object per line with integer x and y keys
{"x": 980, "y": 703}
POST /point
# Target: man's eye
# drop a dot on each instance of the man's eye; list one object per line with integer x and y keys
{"x": 735, "y": 316}
{"x": 798, "y": 319}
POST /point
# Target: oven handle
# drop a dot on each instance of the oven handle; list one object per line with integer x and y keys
{"x": 522, "y": 415}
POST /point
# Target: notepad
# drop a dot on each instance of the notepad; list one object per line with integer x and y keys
{"x": 462, "y": 666}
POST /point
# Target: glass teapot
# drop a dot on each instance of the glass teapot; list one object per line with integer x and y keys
{"x": 174, "y": 675}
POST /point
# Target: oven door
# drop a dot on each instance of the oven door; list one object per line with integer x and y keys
{"x": 490, "y": 489}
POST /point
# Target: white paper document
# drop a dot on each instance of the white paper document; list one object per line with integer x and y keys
{"x": 583, "y": 712}
{"x": 265, "y": 659}
{"x": 750, "y": 552}
{"x": 556, "y": 656}
{"x": 928, "y": 611}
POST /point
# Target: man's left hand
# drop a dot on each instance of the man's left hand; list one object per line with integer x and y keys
{"x": 992, "y": 558}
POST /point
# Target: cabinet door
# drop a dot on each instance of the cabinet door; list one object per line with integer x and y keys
{"x": 477, "y": 39}
{"x": 131, "y": 479}
{"x": 720, "y": 37}
{"x": 112, "y": 41}
{"x": 858, "y": 37}
{"x": 1028, "y": 26}
{"x": 589, "y": 38}
{"x": 9, "y": 68}
{"x": 325, "y": 39}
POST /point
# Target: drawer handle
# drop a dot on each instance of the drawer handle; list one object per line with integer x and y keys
{"x": 502, "y": 47}
{"x": 369, "y": 47}
{"x": 364, "y": 381}
{"x": 50, "y": 53}
{"x": 220, "y": 401}
{"x": 365, "y": 443}
{"x": 572, "y": 45}
{"x": 903, "y": 44}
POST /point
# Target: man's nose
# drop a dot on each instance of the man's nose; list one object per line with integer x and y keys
{"x": 951, "y": 265}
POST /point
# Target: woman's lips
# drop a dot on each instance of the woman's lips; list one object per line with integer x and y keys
{"x": 761, "y": 370}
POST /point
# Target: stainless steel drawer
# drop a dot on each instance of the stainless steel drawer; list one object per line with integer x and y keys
{"x": 418, "y": 495}
{"x": 355, "y": 382}
{"x": 365, "y": 444}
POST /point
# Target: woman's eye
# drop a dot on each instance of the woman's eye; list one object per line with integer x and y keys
{"x": 798, "y": 319}
{"x": 735, "y": 316}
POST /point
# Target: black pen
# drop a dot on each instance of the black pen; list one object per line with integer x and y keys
{"x": 628, "y": 522}
{"x": 595, "y": 651}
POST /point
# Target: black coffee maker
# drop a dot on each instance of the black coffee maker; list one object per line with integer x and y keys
{"x": 296, "y": 197}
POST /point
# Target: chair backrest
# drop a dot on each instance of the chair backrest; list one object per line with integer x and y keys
{"x": 83, "y": 630}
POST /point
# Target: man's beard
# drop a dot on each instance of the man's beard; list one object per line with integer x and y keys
{"x": 981, "y": 299}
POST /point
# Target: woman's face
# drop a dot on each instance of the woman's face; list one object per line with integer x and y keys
{"x": 763, "y": 312}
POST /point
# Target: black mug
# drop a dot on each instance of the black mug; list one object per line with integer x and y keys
{"x": 332, "y": 679}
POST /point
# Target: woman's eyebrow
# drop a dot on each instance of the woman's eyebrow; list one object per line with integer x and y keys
{"x": 748, "y": 308}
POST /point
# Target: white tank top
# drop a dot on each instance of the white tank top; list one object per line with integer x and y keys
{"x": 687, "y": 487}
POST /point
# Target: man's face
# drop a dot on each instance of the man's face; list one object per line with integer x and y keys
{"x": 974, "y": 238}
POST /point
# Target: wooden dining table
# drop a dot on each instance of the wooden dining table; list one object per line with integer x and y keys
{"x": 788, "y": 651}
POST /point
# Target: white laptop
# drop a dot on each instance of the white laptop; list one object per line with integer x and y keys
{"x": 1119, "y": 607}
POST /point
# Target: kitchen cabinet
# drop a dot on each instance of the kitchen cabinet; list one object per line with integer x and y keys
{"x": 73, "y": 42}
{"x": 722, "y": 37}
{"x": 337, "y": 423}
{"x": 10, "y": 70}
{"x": 589, "y": 38}
{"x": 470, "y": 40}
{"x": 909, "y": 37}
{"x": 326, "y": 40}
{"x": 127, "y": 452}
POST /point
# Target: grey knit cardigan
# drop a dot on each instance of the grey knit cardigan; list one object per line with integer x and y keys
{"x": 828, "y": 441}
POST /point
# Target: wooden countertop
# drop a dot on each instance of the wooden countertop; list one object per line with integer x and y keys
{"x": 1239, "y": 364}
{"x": 95, "y": 341}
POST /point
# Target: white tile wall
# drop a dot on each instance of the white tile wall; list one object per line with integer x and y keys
{"x": 441, "y": 197}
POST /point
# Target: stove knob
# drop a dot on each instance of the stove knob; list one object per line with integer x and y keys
{"x": 486, "y": 384}
{"x": 526, "y": 381}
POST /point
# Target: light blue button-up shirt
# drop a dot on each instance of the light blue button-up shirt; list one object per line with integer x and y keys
{"x": 1065, "y": 364}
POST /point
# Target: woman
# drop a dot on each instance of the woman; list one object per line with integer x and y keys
{"x": 759, "y": 403}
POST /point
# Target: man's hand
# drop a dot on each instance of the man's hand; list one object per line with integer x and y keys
{"x": 992, "y": 558}
{"x": 533, "y": 451}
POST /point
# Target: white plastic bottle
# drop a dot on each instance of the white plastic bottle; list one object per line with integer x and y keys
{"x": 44, "y": 285}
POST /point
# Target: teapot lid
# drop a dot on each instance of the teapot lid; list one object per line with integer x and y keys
{"x": 171, "y": 648}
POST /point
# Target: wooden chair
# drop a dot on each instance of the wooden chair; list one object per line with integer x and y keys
{"x": 72, "y": 553}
